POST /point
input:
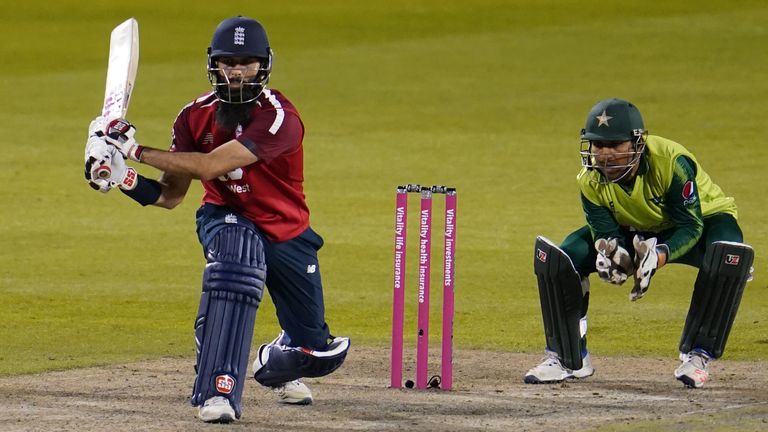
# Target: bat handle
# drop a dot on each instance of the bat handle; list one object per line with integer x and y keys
{"x": 103, "y": 172}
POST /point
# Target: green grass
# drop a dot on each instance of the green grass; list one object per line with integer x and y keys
{"x": 488, "y": 96}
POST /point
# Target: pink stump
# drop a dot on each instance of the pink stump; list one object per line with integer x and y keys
{"x": 398, "y": 300}
{"x": 448, "y": 290}
{"x": 422, "y": 335}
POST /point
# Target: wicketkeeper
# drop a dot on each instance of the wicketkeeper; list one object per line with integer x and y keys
{"x": 648, "y": 203}
{"x": 244, "y": 142}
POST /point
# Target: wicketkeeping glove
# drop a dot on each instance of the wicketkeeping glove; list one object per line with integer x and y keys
{"x": 120, "y": 133}
{"x": 646, "y": 263}
{"x": 614, "y": 265}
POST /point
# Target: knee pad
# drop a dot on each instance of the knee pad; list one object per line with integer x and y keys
{"x": 277, "y": 364}
{"x": 562, "y": 301}
{"x": 724, "y": 273}
{"x": 233, "y": 285}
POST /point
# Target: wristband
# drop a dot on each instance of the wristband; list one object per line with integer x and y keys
{"x": 137, "y": 153}
{"x": 146, "y": 192}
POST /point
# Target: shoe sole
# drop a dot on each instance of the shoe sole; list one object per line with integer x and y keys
{"x": 530, "y": 379}
{"x": 688, "y": 382}
{"x": 305, "y": 401}
{"x": 224, "y": 418}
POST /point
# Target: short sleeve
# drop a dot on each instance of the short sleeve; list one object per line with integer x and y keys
{"x": 273, "y": 133}
{"x": 181, "y": 135}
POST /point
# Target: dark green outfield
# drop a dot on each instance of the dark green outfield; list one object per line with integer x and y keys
{"x": 487, "y": 96}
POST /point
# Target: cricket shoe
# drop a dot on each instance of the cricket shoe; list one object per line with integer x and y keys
{"x": 216, "y": 410}
{"x": 552, "y": 371}
{"x": 293, "y": 392}
{"x": 693, "y": 371}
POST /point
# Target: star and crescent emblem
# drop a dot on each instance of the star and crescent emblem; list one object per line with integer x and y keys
{"x": 602, "y": 119}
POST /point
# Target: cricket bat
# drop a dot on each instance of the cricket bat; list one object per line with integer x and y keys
{"x": 121, "y": 74}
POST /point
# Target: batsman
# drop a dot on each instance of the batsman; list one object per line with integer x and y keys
{"x": 244, "y": 143}
{"x": 648, "y": 203}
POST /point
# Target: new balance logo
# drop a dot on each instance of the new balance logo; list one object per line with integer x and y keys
{"x": 311, "y": 268}
{"x": 208, "y": 139}
{"x": 732, "y": 259}
{"x": 541, "y": 255}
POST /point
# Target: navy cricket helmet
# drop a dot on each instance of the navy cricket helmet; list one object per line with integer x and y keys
{"x": 239, "y": 37}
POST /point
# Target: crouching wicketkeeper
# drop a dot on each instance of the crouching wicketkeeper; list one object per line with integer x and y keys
{"x": 648, "y": 203}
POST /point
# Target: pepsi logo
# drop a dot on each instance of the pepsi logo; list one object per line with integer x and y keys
{"x": 689, "y": 190}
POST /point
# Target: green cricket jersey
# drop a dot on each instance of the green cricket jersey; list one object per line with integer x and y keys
{"x": 670, "y": 193}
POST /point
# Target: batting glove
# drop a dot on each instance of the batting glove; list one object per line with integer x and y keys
{"x": 120, "y": 133}
{"x": 98, "y": 126}
{"x": 101, "y": 157}
{"x": 97, "y": 159}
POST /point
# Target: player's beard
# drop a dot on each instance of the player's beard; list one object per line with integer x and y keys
{"x": 229, "y": 115}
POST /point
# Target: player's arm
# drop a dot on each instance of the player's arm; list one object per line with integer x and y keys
{"x": 173, "y": 189}
{"x": 204, "y": 166}
{"x": 601, "y": 221}
{"x": 168, "y": 192}
{"x": 613, "y": 263}
{"x": 179, "y": 168}
{"x": 684, "y": 209}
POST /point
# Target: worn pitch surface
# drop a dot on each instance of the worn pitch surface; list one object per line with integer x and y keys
{"x": 489, "y": 395}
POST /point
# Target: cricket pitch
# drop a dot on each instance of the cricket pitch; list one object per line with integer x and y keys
{"x": 488, "y": 395}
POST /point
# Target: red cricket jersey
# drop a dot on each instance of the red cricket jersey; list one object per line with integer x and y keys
{"x": 269, "y": 192}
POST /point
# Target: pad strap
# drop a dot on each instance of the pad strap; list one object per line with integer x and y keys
{"x": 235, "y": 278}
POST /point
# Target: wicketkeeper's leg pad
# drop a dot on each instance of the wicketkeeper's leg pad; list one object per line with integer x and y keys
{"x": 233, "y": 285}
{"x": 562, "y": 298}
{"x": 717, "y": 293}
{"x": 277, "y": 364}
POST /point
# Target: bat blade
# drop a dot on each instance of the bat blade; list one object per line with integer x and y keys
{"x": 121, "y": 75}
{"x": 122, "y": 68}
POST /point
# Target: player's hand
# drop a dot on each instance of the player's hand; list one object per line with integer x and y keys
{"x": 646, "y": 263}
{"x": 614, "y": 265}
{"x": 122, "y": 176}
{"x": 100, "y": 154}
{"x": 120, "y": 133}
{"x": 97, "y": 157}
{"x": 98, "y": 126}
